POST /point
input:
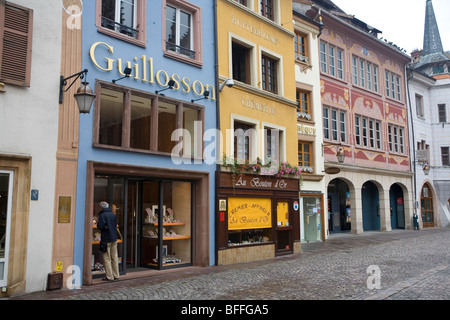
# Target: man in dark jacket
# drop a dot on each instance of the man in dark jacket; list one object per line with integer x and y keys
{"x": 107, "y": 224}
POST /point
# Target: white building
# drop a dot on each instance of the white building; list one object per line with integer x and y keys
{"x": 429, "y": 93}
{"x": 30, "y": 62}
{"x": 309, "y": 123}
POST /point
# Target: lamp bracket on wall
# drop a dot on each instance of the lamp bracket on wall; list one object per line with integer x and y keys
{"x": 170, "y": 86}
{"x": 205, "y": 96}
{"x": 127, "y": 73}
{"x": 63, "y": 82}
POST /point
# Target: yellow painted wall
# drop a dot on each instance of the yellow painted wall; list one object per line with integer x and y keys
{"x": 250, "y": 27}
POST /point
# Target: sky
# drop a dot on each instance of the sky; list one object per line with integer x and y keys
{"x": 401, "y": 21}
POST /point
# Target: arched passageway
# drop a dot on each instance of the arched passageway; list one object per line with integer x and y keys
{"x": 397, "y": 207}
{"x": 370, "y": 206}
{"x": 339, "y": 211}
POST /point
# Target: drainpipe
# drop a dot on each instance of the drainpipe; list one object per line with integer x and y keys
{"x": 412, "y": 134}
{"x": 216, "y": 67}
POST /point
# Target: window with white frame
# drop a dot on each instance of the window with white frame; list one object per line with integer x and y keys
{"x": 244, "y": 138}
{"x": 396, "y": 139}
{"x": 120, "y": 15}
{"x": 365, "y": 74}
{"x": 393, "y": 85}
{"x": 331, "y": 60}
{"x": 335, "y": 124}
{"x": 273, "y": 144}
{"x": 419, "y": 106}
{"x": 181, "y": 31}
{"x": 123, "y": 19}
{"x": 368, "y": 132}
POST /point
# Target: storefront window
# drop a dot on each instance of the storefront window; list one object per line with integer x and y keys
{"x": 111, "y": 114}
{"x": 111, "y": 190}
{"x": 249, "y": 221}
{"x": 167, "y": 116}
{"x": 152, "y": 234}
{"x": 175, "y": 247}
{"x": 141, "y": 112}
{"x": 136, "y": 120}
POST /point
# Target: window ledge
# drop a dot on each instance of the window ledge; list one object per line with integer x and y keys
{"x": 150, "y": 152}
{"x": 183, "y": 58}
{"x": 111, "y": 33}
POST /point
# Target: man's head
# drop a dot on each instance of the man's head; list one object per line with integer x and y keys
{"x": 104, "y": 205}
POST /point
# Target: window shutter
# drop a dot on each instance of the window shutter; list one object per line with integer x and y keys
{"x": 16, "y": 25}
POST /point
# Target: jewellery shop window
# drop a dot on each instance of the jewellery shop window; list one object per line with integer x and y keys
{"x": 173, "y": 223}
{"x": 111, "y": 190}
{"x": 249, "y": 221}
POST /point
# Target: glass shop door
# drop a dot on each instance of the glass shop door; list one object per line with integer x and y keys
{"x": 6, "y": 190}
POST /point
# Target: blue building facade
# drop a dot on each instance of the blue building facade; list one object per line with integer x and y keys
{"x": 142, "y": 147}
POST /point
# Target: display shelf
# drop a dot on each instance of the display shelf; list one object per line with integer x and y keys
{"x": 98, "y": 242}
{"x": 168, "y": 238}
{"x": 165, "y": 224}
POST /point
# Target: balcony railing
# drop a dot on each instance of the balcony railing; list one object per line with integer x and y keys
{"x": 120, "y": 28}
{"x": 180, "y": 50}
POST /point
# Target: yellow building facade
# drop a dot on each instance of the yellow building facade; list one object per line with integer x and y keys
{"x": 243, "y": 31}
{"x": 258, "y": 124}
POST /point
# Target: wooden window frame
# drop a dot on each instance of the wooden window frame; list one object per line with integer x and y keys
{"x": 301, "y": 48}
{"x": 302, "y": 152}
{"x": 154, "y": 134}
{"x": 244, "y": 58}
{"x": 19, "y": 56}
{"x": 302, "y": 102}
{"x": 265, "y": 6}
{"x": 269, "y": 79}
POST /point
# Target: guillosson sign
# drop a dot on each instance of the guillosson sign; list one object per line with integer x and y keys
{"x": 144, "y": 70}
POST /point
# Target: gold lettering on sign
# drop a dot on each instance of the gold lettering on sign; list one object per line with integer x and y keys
{"x": 143, "y": 69}
{"x": 252, "y": 104}
{"x": 306, "y": 129}
{"x": 254, "y": 30}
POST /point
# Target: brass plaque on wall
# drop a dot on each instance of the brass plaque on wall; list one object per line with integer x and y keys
{"x": 64, "y": 208}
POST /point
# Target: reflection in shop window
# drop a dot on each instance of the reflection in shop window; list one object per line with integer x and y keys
{"x": 111, "y": 114}
{"x": 128, "y": 119}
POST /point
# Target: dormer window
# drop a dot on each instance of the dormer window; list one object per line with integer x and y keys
{"x": 438, "y": 69}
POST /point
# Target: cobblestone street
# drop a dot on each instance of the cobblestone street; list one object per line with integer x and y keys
{"x": 412, "y": 265}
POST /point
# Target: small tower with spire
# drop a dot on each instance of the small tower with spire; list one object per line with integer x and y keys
{"x": 433, "y": 61}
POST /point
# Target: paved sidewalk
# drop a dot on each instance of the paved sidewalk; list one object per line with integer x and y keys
{"x": 413, "y": 264}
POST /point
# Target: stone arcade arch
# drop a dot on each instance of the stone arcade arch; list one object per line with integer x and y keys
{"x": 370, "y": 197}
{"x": 397, "y": 206}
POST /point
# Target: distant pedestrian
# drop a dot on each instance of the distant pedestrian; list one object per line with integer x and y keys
{"x": 107, "y": 224}
{"x": 416, "y": 221}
